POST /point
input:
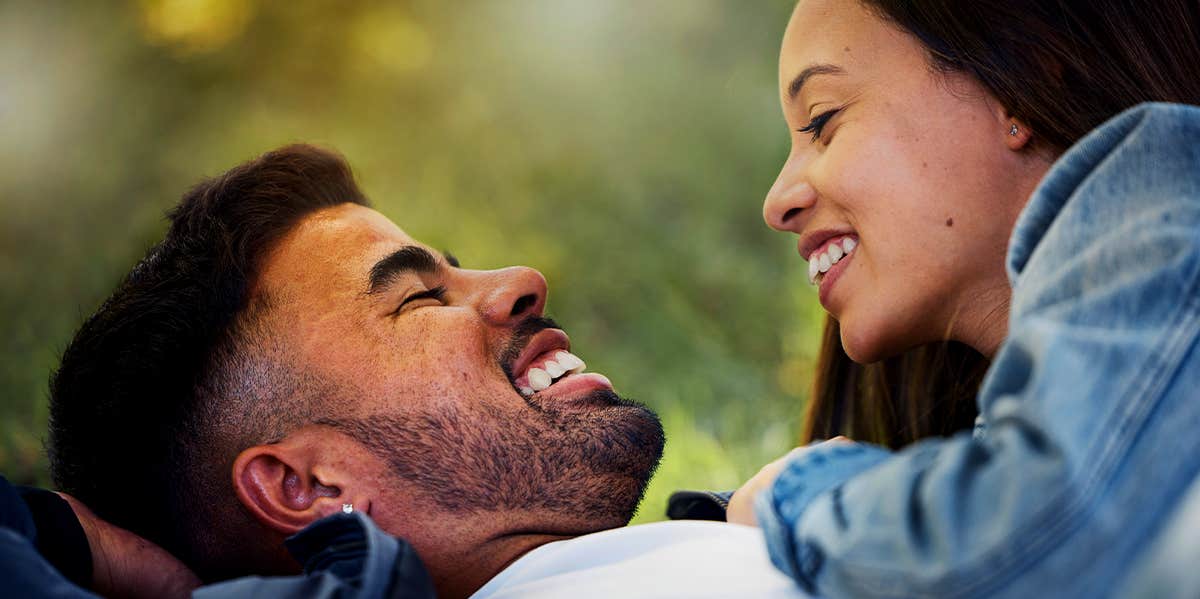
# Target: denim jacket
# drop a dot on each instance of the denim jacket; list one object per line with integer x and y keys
{"x": 1090, "y": 411}
{"x": 345, "y": 556}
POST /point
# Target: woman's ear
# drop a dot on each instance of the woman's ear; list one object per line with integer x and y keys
{"x": 1017, "y": 134}
{"x": 286, "y": 486}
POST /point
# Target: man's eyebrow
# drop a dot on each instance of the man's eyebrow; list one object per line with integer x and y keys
{"x": 811, "y": 71}
{"x": 410, "y": 258}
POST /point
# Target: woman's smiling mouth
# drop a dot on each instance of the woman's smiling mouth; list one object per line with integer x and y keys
{"x": 824, "y": 258}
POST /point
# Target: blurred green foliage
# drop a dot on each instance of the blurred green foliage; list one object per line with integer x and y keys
{"x": 622, "y": 147}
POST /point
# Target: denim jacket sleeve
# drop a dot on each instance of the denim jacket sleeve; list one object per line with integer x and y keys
{"x": 1089, "y": 411}
{"x": 345, "y": 556}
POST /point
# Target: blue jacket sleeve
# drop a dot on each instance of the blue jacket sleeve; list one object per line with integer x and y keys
{"x": 345, "y": 556}
{"x": 1089, "y": 406}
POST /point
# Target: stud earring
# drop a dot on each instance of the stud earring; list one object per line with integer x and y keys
{"x": 1013, "y": 131}
{"x": 347, "y": 508}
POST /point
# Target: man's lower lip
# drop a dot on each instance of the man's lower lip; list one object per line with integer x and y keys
{"x": 830, "y": 278}
{"x": 576, "y": 384}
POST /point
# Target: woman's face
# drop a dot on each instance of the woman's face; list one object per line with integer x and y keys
{"x": 917, "y": 169}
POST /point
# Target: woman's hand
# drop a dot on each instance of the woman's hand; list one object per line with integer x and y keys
{"x": 126, "y": 565}
{"x": 741, "y": 505}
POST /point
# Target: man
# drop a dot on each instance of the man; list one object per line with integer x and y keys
{"x": 286, "y": 354}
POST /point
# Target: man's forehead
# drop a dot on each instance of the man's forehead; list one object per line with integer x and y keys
{"x": 352, "y": 225}
{"x": 334, "y": 247}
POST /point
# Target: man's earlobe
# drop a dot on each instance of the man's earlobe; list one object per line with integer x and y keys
{"x": 278, "y": 484}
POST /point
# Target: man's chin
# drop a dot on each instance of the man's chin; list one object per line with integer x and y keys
{"x": 593, "y": 398}
{"x": 617, "y": 439}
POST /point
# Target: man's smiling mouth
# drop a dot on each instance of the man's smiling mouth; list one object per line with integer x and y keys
{"x": 548, "y": 369}
{"x": 545, "y": 361}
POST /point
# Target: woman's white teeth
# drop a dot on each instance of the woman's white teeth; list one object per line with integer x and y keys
{"x": 539, "y": 379}
{"x": 834, "y": 252}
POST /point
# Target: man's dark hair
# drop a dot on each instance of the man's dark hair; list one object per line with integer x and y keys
{"x": 176, "y": 371}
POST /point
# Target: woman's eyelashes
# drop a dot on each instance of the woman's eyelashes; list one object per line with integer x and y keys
{"x": 817, "y": 125}
{"x": 437, "y": 294}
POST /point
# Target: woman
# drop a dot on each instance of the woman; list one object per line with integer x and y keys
{"x": 933, "y": 193}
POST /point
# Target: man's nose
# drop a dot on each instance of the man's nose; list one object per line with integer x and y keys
{"x": 788, "y": 198}
{"x": 510, "y": 295}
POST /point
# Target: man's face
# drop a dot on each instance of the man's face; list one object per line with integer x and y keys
{"x": 433, "y": 370}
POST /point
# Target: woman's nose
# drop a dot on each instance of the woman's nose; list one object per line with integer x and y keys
{"x": 510, "y": 295}
{"x": 789, "y": 197}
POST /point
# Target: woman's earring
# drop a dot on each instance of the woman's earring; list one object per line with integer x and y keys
{"x": 347, "y": 508}
{"x": 1013, "y": 131}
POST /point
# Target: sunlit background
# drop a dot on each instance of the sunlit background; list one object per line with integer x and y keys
{"x": 622, "y": 147}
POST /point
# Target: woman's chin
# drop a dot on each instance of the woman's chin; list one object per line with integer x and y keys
{"x": 864, "y": 346}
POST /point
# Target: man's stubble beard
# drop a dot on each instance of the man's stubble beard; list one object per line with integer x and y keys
{"x": 592, "y": 459}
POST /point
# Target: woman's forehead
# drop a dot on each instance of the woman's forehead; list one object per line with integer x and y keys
{"x": 846, "y": 35}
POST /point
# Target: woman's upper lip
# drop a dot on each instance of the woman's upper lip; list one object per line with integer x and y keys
{"x": 811, "y": 241}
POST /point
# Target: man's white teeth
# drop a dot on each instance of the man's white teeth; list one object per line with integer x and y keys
{"x": 570, "y": 362}
{"x": 834, "y": 252}
{"x": 539, "y": 379}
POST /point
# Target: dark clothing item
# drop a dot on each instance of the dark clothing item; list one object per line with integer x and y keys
{"x": 698, "y": 505}
{"x": 44, "y": 554}
{"x": 38, "y": 529}
{"x": 60, "y": 538}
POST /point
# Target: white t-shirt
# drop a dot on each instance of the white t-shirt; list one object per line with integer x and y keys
{"x": 686, "y": 558}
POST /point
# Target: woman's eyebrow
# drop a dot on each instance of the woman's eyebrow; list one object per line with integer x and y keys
{"x": 809, "y": 72}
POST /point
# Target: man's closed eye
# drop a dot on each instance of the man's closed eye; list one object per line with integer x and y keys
{"x": 436, "y": 294}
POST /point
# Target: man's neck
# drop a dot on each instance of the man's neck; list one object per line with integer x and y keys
{"x": 458, "y": 576}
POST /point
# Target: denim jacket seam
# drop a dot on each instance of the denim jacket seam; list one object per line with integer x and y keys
{"x": 1127, "y": 422}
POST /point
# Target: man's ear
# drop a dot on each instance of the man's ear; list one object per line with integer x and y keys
{"x": 288, "y": 485}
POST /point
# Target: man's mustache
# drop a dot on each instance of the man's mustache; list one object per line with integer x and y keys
{"x": 522, "y": 333}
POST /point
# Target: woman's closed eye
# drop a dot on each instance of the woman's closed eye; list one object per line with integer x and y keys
{"x": 817, "y": 125}
{"x": 437, "y": 294}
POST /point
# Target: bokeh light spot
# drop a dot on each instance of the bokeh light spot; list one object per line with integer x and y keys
{"x": 391, "y": 40}
{"x": 193, "y": 26}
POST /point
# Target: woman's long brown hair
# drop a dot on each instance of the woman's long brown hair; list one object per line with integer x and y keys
{"x": 1062, "y": 67}
{"x": 925, "y": 391}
